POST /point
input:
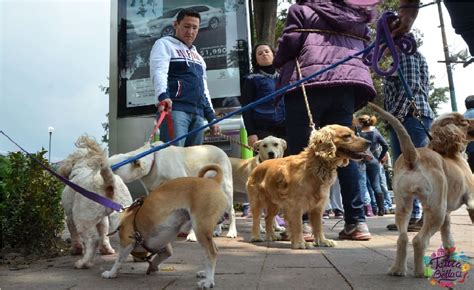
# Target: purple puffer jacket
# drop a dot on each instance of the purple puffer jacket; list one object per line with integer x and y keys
{"x": 318, "y": 50}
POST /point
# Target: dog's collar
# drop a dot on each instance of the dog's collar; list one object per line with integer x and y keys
{"x": 152, "y": 164}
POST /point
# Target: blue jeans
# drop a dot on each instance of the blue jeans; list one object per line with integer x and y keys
{"x": 364, "y": 191}
{"x": 328, "y": 106}
{"x": 335, "y": 199}
{"x": 182, "y": 124}
{"x": 386, "y": 194}
{"x": 420, "y": 139}
{"x": 373, "y": 173}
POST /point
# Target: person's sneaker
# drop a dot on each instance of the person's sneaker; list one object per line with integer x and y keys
{"x": 390, "y": 210}
{"x": 357, "y": 232}
{"x": 338, "y": 214}
{"x": 281, "y": 222}
{"x": 368, "y": 210}
{"x": 414, "y": 225}
{"x": 245, "y": 210}
{"x": 326, "y": 214}
{"x": 308, "y": 233}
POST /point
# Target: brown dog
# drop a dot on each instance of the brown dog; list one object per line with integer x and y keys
{"x": 439, "y": 176}
{"x": 175, "y": 206}
{"x": 301, "y": 183}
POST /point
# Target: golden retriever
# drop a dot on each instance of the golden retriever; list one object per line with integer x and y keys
{"x": 439, "y": 176}
{"x": 300, "y": 183}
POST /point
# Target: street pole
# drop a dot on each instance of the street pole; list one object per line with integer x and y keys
{"x": 50, "y": 131}
{"x": 447, "y": 58}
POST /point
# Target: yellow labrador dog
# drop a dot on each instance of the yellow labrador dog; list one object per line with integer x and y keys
{"x": 175, "y": 206}
{"x": 300, "y": 183}
{"x": 268, "y": 148}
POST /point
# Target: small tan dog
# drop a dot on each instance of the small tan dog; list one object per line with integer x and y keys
{"x": 175, "y": 206}
{"x": 300, "y": 183}
{"x": 268, "y": 148}
{"x": 439, "y": 176}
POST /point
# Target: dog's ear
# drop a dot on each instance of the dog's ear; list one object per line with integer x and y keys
{"x": 448, "y": 140}
{"x": 283, "y": 144}
{"x": 138, "y": 163}
{"x": 256, "y": 145}
{"x": 321, "y": 143}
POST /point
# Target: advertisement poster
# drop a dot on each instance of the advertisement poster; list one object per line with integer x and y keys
{"x": 222, "y": 42}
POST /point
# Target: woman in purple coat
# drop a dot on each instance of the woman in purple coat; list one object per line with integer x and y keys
{"x": 317, "y": 34}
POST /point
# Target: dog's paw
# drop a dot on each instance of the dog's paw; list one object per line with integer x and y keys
{"x": 109, "y": 275}
{"x": 217, "y": 232}
{"x": 419, "y": 274}
{"x": 397, "y": 271}
{"x": 205, "y": 284}
{"x": 274, "y": 237}
{"x": 300, "y": 245}
{"x": 201, "y": 274}
{"x": 324, "y": 243}
{"x": 191, "y": 237}
{"x": 80, "y": 264}
{"x": 232, "y": 234}
{"x": 106, "y": 250}
{"x": 256, "y": 239}
{"x": 279, "y": 229}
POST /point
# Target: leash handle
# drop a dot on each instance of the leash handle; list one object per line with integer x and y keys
{"x": 159, "y": 119}
{"x": 384, "y": 41}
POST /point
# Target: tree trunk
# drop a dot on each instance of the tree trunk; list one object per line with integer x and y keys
{"x": 265, "y": 15}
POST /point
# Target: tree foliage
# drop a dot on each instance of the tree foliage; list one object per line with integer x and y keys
{"x": 31, "y": 216}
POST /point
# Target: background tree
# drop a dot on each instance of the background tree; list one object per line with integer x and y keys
{"x": 265, "y": 19}
{"x": 105, "y": 125}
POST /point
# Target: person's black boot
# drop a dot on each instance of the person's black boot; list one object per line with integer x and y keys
{"x": 380, "y": 204}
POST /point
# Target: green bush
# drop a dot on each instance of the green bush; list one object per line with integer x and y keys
{"x": 31, "y": 216}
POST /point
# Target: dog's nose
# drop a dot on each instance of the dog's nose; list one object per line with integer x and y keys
{"x": 271, "y": 155}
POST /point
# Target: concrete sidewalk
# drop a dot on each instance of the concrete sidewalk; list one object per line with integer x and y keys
{"x": 244, "y": 265}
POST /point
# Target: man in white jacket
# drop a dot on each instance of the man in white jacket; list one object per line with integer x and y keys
{"x": 178, "y": 75}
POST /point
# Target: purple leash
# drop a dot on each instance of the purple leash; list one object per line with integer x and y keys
{"x": 90, "y": 195}
{"x": 384, "y": 41}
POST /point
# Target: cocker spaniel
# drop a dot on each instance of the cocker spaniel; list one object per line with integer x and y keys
{"x": 300, "y": 183}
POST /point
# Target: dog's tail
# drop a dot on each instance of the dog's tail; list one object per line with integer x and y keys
{"x": 212, "y": 167}
{"x": 97, "y": 159}
{"x": 406, "y": 145}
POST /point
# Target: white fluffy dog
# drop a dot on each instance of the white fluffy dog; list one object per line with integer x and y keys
{"x": 87, "y": 220}
{"x": 173, "y": 162}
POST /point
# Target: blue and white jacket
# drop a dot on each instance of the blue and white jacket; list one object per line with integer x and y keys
{"x": 178, "y": 72}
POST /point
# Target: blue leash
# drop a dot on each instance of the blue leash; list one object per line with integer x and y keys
{"x": 246, "y": 107}
{"x": 117, "y": 207}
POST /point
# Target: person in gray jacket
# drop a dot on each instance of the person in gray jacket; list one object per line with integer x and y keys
{"x": 178, "y": 74}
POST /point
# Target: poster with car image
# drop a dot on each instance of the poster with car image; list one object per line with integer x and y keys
{"x": 222, "y": 41}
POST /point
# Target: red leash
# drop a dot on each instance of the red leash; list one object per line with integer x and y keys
{"x": 160, "y": 119}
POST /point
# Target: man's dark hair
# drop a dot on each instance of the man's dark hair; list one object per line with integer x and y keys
{"x": 469, "y": 102}
{"x": 187, "y": 12}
